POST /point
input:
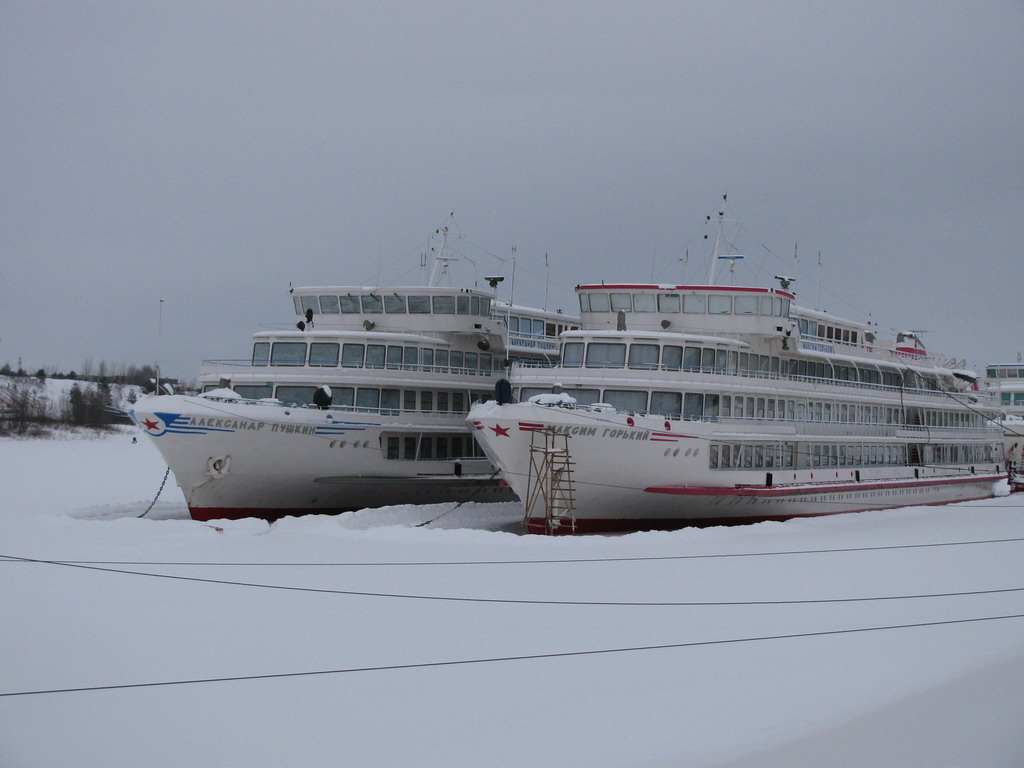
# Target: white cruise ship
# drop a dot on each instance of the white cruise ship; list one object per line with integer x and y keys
{"x": 361, "y": 403}
{"x": 708, "y": 404}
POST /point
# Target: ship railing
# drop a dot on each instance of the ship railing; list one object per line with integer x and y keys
{"x": 273, "y": 402}
{"x": 741, "y": 372}
{"x": 212, "y": 366}
{"x": 866, "y": 429}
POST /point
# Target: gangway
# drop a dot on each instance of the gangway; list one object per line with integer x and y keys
{"x": 550, "y": 494}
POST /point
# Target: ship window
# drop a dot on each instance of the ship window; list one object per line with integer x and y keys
{"x": 295, "y": 395}
{"x": 746, "y": 305}
{"x": 389, "y": 398}
{"x": 691, "y": 357}
{"x": 288, "y": 353}
{"x": 474, "y": 305}
{"x": 486, "y": 362}
{"x": 695, "y": 304}
{"x": 643, "y": 355}
{"x": 766, "y": 305}
{"x": 707, "y": 357}
{"x": 329, "y": 305}
{"x": 392, "y": 448}
{"x": 485, "y": 307}
{"x": 350, "y": 305}
{"x": 394, "y": 357}
{"x": 462, "y": 305}
{"x": 719, "y": 305}
{"x": 599, "y": 302}
{"x": 584, "y": 302}
{"x": 374, "y": 355}
{"x": 472, "y": 362}
{"x": 426, "y": 401}
{"x": 441, "y": 358}
{"x": 456, "y": 358}
{"x": 426, "y": 447}
{"x": 419, "y": 305}
{"x": 253, "y": 391}
{"x": 601, "y": 355}
{"x": 309, "y": 302}
{"x": 621, "y": 302}
{"x": 352, "y": 355}
{"x": 572, "y": 354}
{"x": 297, "y": 304}
{"x": 529, "y": 392}
{"x": 667, "y": 403}
{"x": 586, "y": 396}
{"x": 410, "y": 356}
{"x": 394, "y": 305}
{"x": 409, "y": 400}
{"x": 693, "y": 405}
{"x": 442, "y": 402}
{"x": 672, "y": 357}
{"x": 444, "y": 305}
{"x": 538, "y": 327}
{"x": 726, "y": 405}
{"x": 427, "y": 358}
{"x": 367, "y": 397}
{"x": 372, "y": 305}
{"x": 323, "y": 354}
{"x": 341, "y": 396}
{"x": 669, "y": 302}
{"x": 457, "y": 403}
{"x": 711, "y": 406}
{"x": 643, "y": 302}
{"x": 626, "y": 400}
{"x": 261, "y": 353}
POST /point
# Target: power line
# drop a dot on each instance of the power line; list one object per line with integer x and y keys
{"x": 525, "y": 657}
{"x": 524, "y": 601}
{"x": 534, "y": 561}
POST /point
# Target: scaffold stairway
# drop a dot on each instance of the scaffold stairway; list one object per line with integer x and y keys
{"x": 550, "y": 492}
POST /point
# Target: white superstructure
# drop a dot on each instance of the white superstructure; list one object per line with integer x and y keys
{"x": 687, "y": 404}
{"x": 361, "y": 402}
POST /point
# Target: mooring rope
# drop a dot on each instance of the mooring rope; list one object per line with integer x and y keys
{"x": 153, "y": 502}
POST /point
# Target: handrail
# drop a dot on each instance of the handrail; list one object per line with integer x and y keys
{"x": 348, "y": 366}
{"x": 742, "y": 372}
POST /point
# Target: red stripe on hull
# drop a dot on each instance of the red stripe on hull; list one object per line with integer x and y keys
{"x": 205, "y": 514}
{"x": 632, "y": 525}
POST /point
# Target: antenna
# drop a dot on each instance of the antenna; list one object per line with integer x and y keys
{"x": 817, "y": 304}
{"x": 159, "y": 335}
{"x": 547, "y": 275}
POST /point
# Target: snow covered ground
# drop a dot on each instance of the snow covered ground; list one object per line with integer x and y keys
{"x": 364, "y": 640}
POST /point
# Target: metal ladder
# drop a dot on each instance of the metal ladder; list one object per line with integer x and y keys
{"x": 550, "y": 483}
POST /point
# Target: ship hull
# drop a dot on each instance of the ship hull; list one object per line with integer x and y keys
{"x": 245, "y": 459}
{"x": 630, "y": 472}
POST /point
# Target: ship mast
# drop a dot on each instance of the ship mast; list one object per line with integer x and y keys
{"x": 441, "y": 259}
{"x": 718, "y": 245}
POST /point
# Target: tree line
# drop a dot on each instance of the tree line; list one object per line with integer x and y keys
{"x": 96, "y": 398}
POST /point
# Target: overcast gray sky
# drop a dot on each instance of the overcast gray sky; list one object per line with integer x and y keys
{"x": 209, "y": 153}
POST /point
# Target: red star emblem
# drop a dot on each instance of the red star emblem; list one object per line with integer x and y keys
{"x": 150, "y": 424}
{"x": 500, "y": 431}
